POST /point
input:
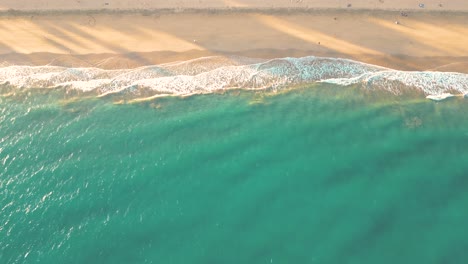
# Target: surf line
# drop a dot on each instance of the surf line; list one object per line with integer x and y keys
{"x": 443, "y": 96}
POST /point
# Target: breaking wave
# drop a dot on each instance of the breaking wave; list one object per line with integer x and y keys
{"x": 211, "y": 74}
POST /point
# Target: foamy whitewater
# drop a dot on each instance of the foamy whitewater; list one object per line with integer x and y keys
{"x": 211, "y": 74}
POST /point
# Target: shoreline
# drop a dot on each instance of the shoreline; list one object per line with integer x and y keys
{"x": 132, "y": 60}
{"x": 212, "y": 75}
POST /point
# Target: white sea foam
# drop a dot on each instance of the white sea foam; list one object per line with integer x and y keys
{"x": 209, "y": 74}
{"x": 439, "y": 97}
{"x": 430, "y": 83}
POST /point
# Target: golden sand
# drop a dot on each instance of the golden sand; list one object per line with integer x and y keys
{"x": 411, "y": 39}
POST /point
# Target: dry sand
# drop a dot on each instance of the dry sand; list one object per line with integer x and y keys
{"x": 224, "y": 4}
{"x": 422, "y": 39}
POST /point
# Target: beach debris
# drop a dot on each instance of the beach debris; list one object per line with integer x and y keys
{"x": 91, "y": 20}
{"x": 349, "y": 5}
{"x": 440, "y": 5}
{"x": 421, "y": 5}
{"x": 403, "y": 14}
{"x": 439, "y": 97}
{"x": 397, "y": 22}
{"x": 106, "y": 3}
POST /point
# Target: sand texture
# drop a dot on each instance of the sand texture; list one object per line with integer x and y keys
{"x": 409, "y": 39}
{"x": 225, "y": 4}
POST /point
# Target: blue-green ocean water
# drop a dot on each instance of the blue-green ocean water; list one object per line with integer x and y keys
{"x": 321, "y": 174}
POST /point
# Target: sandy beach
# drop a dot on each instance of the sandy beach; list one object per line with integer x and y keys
{"x": 126, "y": 34}
{"x": 35, "y": 5}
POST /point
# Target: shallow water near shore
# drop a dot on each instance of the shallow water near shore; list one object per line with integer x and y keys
{"x": 319, "y": 174}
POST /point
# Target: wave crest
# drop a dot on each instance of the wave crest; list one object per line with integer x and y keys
{"x": 210, "y": 74}
{"x": 430, "y": 83}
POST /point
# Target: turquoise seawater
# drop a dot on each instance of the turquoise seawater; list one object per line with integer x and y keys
{"x": 320, "y": 174}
